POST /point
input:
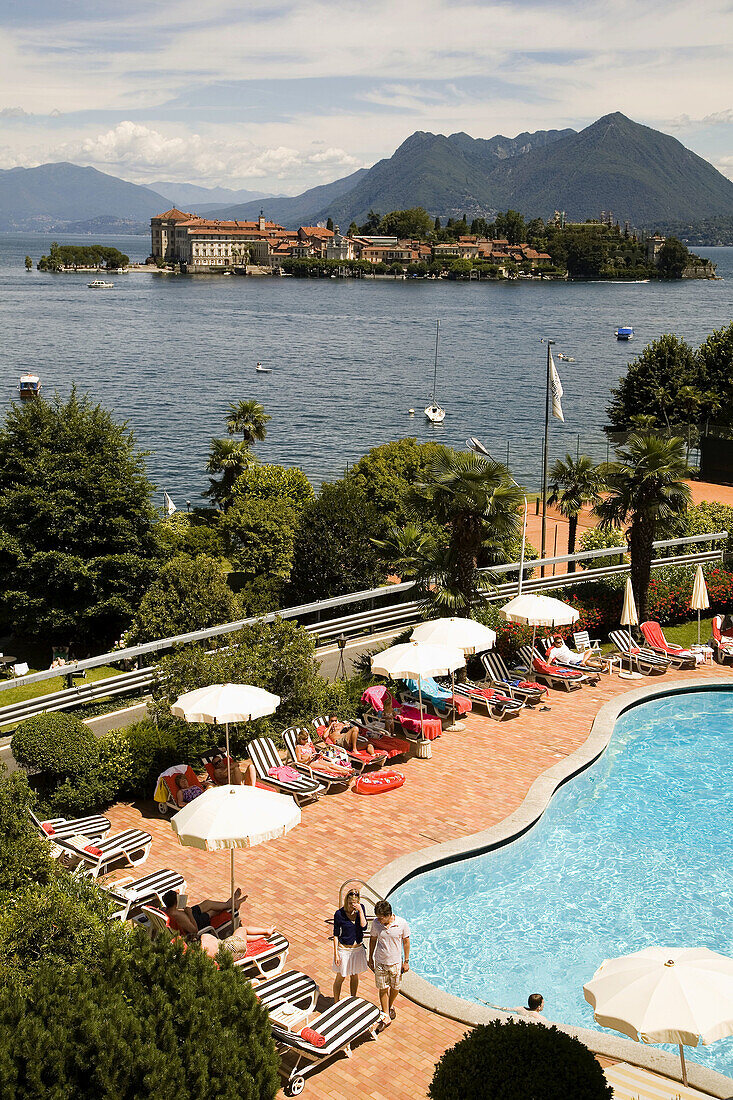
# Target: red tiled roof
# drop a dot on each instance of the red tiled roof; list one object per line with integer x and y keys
{"x": 174, "y": 215}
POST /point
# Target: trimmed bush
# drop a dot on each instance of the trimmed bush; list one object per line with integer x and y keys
{"x": 151, "y": 750}
{"x": 518, "y": 1061}
{"x": 59, "y": 746}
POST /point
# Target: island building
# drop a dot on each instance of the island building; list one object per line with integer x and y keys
{"x": 207, "y": 245}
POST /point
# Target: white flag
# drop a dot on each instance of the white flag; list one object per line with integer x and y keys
{"x": 170, "y": 507}
{"x": 557, "y": 391}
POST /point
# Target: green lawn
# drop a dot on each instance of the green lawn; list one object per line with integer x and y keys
{"x": 684, "y": 634}
{"x": 47, "y": 687}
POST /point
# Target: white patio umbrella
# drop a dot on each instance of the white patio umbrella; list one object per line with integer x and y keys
{"x": 225, "y": 703}
{"x": 413, "y": 660}
{"x": 537, "y": 611}
{"x": 235, "y": 817}
{"x": 464, "y": 634}
{"x": 699, "y": 601}
{"x": 629, "y": 618}
{"x": 665, "y": 995}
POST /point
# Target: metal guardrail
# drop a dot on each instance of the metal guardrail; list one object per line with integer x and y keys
{"x": 401, "y": 613}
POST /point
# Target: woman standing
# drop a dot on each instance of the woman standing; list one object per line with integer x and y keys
{"x": 349, "y": 953}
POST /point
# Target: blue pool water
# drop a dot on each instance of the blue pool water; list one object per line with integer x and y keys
{"x": 634, "y": 852}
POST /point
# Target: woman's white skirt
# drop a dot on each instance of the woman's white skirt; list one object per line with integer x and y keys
{"x": 352, "y": 960}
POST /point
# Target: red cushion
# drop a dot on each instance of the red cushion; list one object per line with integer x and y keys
{"x": 320, "y": 730}
{"x": 48, "y": 829}
{"x": 93, "y": 851}
{"x": 313, "y": 1037}
{"x": 216, "y": 920}
{"x": 256, "y": 947}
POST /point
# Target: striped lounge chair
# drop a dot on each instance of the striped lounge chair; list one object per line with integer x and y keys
{"x": 591, "y": 668}
{"x": 441, "y": 699}
{"x": 291, "y": 987}
{"x": 340, "y": 1025}
{"x": 722, "y": 643}
{"x": 92, "y": 827}
{"x": 679, "y": 657}
{"x": 359, "y": 757}
{"x": 495, "y": 703}
{"x": 318, "y": 769}
{"x": 98, "y": 857}
{"x": 132, "y": 894}
{"x": 562, "y": 679}
{"x": 266, "y": 759}
{"x": 640, "y": 658}
{"x": 516, "y": 687}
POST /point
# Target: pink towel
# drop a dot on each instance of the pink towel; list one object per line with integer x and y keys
{"x": 284, "y": 773}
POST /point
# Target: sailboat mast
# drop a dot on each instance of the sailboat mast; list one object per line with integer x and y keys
{"x": 435, "y": 368}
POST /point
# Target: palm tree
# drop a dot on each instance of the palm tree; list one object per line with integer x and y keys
{"x": 230, "y": 459}
{"x": 645, "y": 490}
{"x": 573, "y": 484}
{"x": 407, "y": 550}
{"x": 474, "y": 498}
{"x": 249, "y": 418}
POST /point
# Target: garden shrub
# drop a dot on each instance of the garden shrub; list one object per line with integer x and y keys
{"x": 24, "y": 856}
{"x": 151, "y": 750}
{"x": 597, "y": 538}
{"x": 514, "y": 1060}
{"x": 62, "y": 754}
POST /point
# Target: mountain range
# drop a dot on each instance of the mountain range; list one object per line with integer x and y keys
{"x": 642, "y": 175}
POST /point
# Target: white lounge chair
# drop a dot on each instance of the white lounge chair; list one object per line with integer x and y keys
{"x": 132, "y": 894}
{"x": 555, "y": 676}
{"x": 291, "y": 987}
{"x": 340, "y": 1025}
{"x": 92, "y": 827}
{"x": 640, "y": 658}
{"x": 131, "y": 846}
{"x": 265, "y": 758}
{"x": 582, "y": 641}
{"x": 314, "y": 771}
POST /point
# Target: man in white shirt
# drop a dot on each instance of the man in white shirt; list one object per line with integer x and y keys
{"x": 561, "y": 652}
{"x": 389, "y": 956}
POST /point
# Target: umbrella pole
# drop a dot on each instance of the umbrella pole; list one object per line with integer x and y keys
{"x": 229, "y": 771}
{"x": 684, "y": 1065}
{"x": 531, "y": 655}
{"x": 419, "y": 696}
{"x": 231, "y": 883}
{"x": 455, "y": 726}
{"x": 698, "y": 626}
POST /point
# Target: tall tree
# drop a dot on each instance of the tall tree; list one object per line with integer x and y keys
{"x": 573, "y": 484}
{"x": 249, "y": 418}
{"x": 476, "y": 500}
{"x": 645, "y": 492}
{"x": 77, "y": 541}
{"x": 230, "y": 460}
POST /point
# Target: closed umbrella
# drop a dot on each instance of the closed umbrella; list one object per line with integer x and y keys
{"x": 464, "y": 634}
{"x": 665, "y": 995}
{"x": 629, "y": 618}
{"x": 537, "y": 611}
{"x": 225, "y": 703}
{"x": 413, "y": 660}
{"x": 699, "y": 601}
{"x": 235, "y": 817}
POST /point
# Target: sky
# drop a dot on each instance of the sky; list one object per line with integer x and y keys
{"x": 281, "y": 95}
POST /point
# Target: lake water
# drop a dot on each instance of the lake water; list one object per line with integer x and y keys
{"x": 349, "y": 358}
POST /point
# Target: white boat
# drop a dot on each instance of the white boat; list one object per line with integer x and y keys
{"x": 263, "y": 370}
{"x": 99, "y": 284}
{"x": 30, "y": 387}
{"x": 434, "y": 413}
{"x": 624, "y": 333}
{"x": 565, "y": 358}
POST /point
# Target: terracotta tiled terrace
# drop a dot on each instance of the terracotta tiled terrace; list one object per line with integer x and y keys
{"x": 293, "y": 883}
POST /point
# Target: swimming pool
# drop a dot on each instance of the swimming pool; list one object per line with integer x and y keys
{"x": 635, "y": 851}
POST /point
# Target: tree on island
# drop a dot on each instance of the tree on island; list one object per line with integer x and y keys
{"x": 412, "y": 223}
{"x": 28, "y": 263}
{"x": 77, "y": 540}
{"x": 573, "y": 484}
{"x": 645, "y": 492}
{"x": 673, "y": 259}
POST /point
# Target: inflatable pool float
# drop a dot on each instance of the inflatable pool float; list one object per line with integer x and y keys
{"x": 378, "y": 782}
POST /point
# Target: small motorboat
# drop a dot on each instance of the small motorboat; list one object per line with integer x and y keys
{"x": 99, "y": 284}
{"x": 624, "y": 333}
{"x": 263, "y": 370}
{"x": 30, "y": 387}
{"x": 565, "y": 358}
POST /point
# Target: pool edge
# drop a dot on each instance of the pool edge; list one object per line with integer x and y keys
{"x": 535, "y": 803}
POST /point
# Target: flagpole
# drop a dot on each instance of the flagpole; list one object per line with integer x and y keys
{"x": 550, "y": 344}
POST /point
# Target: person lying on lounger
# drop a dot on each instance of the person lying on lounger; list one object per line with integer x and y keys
{"x": 193, "y": 918}
{"x": 186, "y": 791}
{"x": 341, "y": 733}
{"x": 224, "y": 775}
{"x": 307, "y": 753}
{"x": 561, "y": 652}
{"x": 236, "y": 943}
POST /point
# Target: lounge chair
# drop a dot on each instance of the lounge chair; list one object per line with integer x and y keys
{"x": 132, "y": 894}
{"x": 359, "y": 757}
{"x": 340, "y": 1026}
{"x": 495, "y": 703}
{"x": 131, "y": 846}
{"x": 516, "y": 687}
{"x": 433, "y": 695}
{"x": 640, "y": 658}
{"x": 722, "y": 643}
{"x": 562, "y": 679}
{"x": 92, "y": 827}
{"x": 319, "y": 769}
{"x": 582, "y": 641}
{"x": 292, "y": 987}
{"x": 266, "y": 961}
{"x": 268, "y": 764}
{"x": 166, "y": 788}
{"x": 592, "y": 672}
{"x": 680, "y": 657}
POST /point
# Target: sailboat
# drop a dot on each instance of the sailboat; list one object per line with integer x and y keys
{"x": 433, "y": 411}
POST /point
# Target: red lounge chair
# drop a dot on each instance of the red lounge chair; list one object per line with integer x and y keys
{"x": 680, "y": 658}
{"x": 722, "y": 643}
{"x": 360, "y": 758}
{"x": 563, "y": 679}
